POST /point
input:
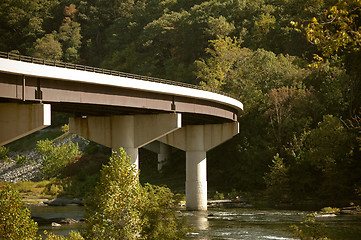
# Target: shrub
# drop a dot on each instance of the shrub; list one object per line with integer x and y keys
{"x": 330, "y": 210}
{"x": 72, "y": 236}
{"x": 121, "y": 208}
{"x": 52, "y": 189}
{"x": 3, "y": 153}
{"x": 218, "y": 196}
{"x": 55, "y": 158}
{"x": 20, "y": 159}
{"x": 15, "y": 220}
{"x": 160, "y": 220}
{"x": 23, "y": 187}
{"x": 310, "y": 229}
{"x": 65, "y": 128}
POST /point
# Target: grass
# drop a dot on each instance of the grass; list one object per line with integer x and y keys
{"x": 31, "y": 191}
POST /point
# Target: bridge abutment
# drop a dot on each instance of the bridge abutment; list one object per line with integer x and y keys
{"x": 130, "y": 132}
{"x": 18, "y": 120}
{"x": 196, "y": 140}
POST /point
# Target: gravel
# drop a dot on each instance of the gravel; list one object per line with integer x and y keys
{"x": 10, "y": 171}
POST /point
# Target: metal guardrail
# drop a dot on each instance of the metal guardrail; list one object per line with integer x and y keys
{"x": 54, "y": 63}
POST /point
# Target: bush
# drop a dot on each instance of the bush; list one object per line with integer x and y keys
{"x": 160, "y": 220}
{"x": 310, "y": 229}
{"x": 52, "y": 189}
{"x": 20, "y": 159}
{"x": 329, "y": 210}
{"x": 55, "y": 158}
{"x": 72, "y": 236}
{"x": 121, "y": 208}
{"x": 65, "y": 128}
{"x": 218, "y": 196}
{"x": 3, "y": 153}
{"x": 15, "y": 220}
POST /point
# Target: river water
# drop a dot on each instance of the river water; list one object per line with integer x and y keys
{"x": 228, "y": 223}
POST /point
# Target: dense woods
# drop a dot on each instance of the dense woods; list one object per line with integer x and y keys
{"x": 295, "y": 64}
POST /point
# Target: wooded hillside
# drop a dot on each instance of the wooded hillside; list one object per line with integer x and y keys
{"x": 295, "y": 64}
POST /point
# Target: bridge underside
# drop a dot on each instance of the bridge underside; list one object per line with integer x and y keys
{"x": 83, "y": 99}
{"x": 122, "y": 117}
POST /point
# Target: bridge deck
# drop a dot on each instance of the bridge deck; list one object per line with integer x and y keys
{"x": 83, "y": 90}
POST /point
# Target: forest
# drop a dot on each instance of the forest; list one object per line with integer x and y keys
{"x": 294, "y": 64}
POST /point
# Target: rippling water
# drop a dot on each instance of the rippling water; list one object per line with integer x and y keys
{"x": 230, "y": 223}
{"x": 240, "y": 223}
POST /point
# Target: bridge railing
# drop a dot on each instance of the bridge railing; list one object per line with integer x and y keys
{"x": 22, "y": 58}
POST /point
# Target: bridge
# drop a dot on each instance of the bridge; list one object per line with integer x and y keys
{"x": 118, "y": 109}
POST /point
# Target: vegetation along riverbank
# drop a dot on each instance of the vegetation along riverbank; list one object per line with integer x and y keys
{"x": 295, "y": 65}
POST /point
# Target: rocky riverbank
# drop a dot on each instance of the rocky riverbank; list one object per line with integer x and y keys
{"x": 12, "y": 171}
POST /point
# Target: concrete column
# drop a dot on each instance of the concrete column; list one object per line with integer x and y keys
{"x": 196, "y": 180}
{"x": 129, "y": 131}
{"x": 196, "y": 140}
{"x": 19, "y": 120}
{"x": 162, "y": 150}
{"x": 163, "y": 155}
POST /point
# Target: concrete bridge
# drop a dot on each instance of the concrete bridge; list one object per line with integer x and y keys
{"x": 118, "y": 109}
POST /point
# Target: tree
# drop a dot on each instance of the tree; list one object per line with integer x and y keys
{"x": 48, "y": 47}
{"x": 114, "y": 211}
{"x": 327, "y": 153}
{"x": 22, "y": 22}
{"x": 337, "y": 29}
{"x": 69, "y": 34}
{"x": 286, "y": 107}
{"x": 55, "y": 158}
{"x": 121, "y": 208}
{"x": 160, "y": 218}
{"x": 15, "y": 219}
{"x": 277, "y": 180}
{"x": 224, "y": 54}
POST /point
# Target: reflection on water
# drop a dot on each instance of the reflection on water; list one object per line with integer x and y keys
{"x": 239, "y": 223}
{"x": 223, "y": 223}
{"x": 49, "y": 212}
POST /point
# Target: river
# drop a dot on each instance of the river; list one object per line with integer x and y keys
{"x": 229, "y": 223}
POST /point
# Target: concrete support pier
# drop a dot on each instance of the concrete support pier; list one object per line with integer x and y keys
{"x": 196, "y": 140}
{"x": 18, "y": 120}
{"x": 162, "y": 150}
{"x": 128, "y": 131}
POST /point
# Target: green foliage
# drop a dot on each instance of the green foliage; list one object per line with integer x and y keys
{"x": 55, "y": 158}
{"x": 3, "y": 152}
{"x": 72, "y": 236}
{"x": 337, "y": 29}
{"x": 290, "y": 63}
{"x": 159, "y": 214}
{"x": 329, "y": 210}
{"x": 121, "y": 208}
{"x": 277, "y": 180}
{"x": 48, "y": 47}
{"x": 310, "y": 229}
{"x": 15, "y": 220}
{"x": 218, "y": 196}
{"x": 52, "y": 189}
{"x": 20, "y": 159}
{"x": 65, "y": 128}
{"x": 225, "y": 53}
{"x": 328, "y": 149}
{"x": 108, "y": 215}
